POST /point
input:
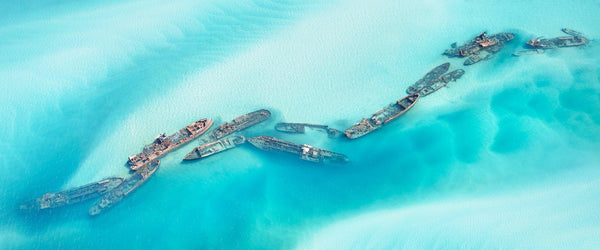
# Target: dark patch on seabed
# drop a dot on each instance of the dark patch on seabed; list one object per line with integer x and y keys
{"x": 467, "y": 133}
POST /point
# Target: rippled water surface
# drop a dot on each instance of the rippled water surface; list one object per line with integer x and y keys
{"x": 505, "y": 157}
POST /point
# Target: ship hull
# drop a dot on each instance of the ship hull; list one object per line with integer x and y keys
{"x": 74, "y": 195}
{"x": 571, "y": 32}
{"x": 538, "y": 46}
{"x": 158, "y": 155}
{"x": 559, "y": 42}
{"x": 443, "y": 80}
{"x": 361, "y": 128}
{"x": 300, "y": 128}
{"x": 129, "y": 185}
{"x": 215, "y": 147}
{"x": 224, "y": 130}
{"x": 429, "y": 78}
{"x": 304, "y": 152}
{"x": 382, "y": 117}
{"x": 291, "y": 127}
{"x": 238, "y": 124}
{"x": 472, "y": 49}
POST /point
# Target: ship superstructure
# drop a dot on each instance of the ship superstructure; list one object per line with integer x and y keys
{"x": 164, "y": 144}
{"x": 480, "y": 48}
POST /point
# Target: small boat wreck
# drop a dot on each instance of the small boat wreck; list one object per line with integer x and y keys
{"x": 300, "y": 128}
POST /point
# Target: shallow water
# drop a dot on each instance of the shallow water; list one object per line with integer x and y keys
{"x": 504, "y": 157}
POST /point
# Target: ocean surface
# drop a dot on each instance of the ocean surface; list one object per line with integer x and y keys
{"x": 506, "y": 157}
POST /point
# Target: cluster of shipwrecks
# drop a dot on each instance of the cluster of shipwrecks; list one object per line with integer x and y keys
{"x": 226, "y": 136}
{"x": 482, "y": 47}
{"x": 539, "y": 45}
{"x": 144, "y": 164}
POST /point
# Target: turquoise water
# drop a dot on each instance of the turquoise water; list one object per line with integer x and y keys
{"x": 505, "y": 157}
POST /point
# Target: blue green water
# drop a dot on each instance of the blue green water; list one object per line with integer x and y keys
{"x": 506, "y": 157}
